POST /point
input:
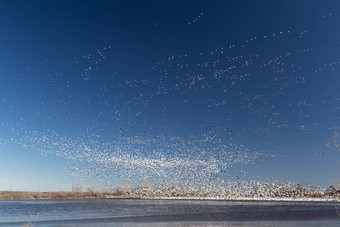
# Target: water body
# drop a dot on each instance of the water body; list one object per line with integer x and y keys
{"x": 135, "y": 212}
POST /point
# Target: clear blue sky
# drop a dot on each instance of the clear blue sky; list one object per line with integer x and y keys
{"x": 254, "y": 84}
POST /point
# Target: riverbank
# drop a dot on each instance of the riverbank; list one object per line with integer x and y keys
{"x": 26, "y": 195}
{"x": 253, "y": 199}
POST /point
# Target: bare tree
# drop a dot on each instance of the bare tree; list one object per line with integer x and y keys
{"x": 122, "y": 189}
{"x": 78, "y": 188}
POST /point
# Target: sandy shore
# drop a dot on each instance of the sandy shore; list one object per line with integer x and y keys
{"x": 24, "y": 195}
{"x": 277, "y": 199}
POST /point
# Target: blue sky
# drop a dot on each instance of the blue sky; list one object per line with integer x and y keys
{"x": 249, "y": 86}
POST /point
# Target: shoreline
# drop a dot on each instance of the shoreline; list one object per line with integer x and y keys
{"x": 26, "y": 195}
{"x": 249, "y": 199}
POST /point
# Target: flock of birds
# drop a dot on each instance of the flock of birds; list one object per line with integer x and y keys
{"x": 242, "y": 190}
{"x": 196, "y": 19}
{"x": 128, "y": 134}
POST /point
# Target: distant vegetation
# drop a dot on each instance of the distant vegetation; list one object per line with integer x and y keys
{"x": 78, "y": 193}
{"x": 238, "y": 190}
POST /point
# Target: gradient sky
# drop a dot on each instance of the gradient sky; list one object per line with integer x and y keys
{"x": 79, "y": 76}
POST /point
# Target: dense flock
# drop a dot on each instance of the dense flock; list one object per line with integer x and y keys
{"x": 193, "y": 124}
